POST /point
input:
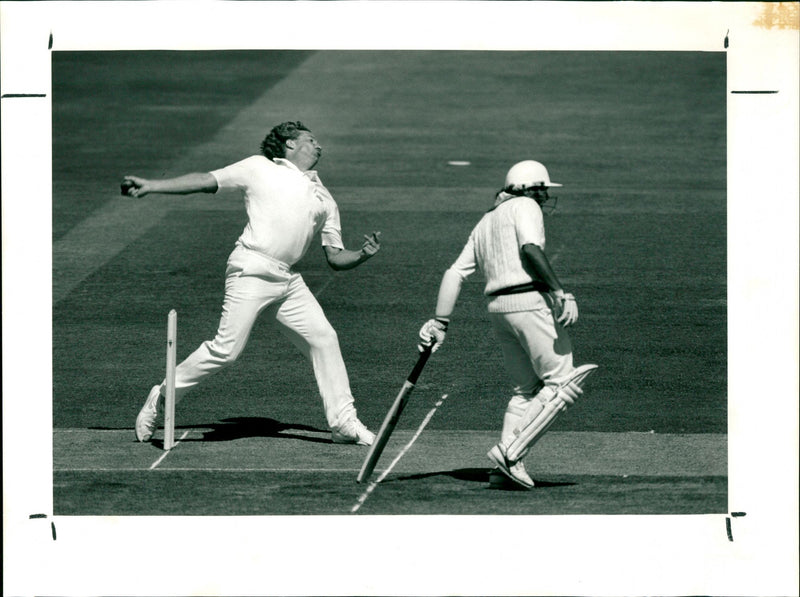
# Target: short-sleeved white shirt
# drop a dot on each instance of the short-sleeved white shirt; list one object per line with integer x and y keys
{"x": 285, "y": 207}
{"x": 495, "y": 244}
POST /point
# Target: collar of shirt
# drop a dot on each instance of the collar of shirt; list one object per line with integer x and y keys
{"x": 502, "y": 197}
{"x": 319, "y": 189}
{"x": 310, "y": 174}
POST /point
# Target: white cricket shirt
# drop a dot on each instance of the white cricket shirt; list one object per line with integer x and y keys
{"x": 285, "y": 207}
{"x": 495, "y": 247}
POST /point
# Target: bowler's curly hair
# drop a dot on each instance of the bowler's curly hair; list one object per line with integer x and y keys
{"x": 274, "y": 144}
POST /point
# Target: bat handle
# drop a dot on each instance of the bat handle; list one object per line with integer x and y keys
{"x": 423, "y": 358}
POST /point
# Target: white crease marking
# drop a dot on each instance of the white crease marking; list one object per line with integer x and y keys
{"x": 166, "y": 452}
{"x": 363, "y": 497}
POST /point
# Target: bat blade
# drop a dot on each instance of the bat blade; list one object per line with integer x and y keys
{"x": 392, "y": 417}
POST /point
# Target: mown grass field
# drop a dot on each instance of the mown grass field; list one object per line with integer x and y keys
{"x": 637, "y": 139}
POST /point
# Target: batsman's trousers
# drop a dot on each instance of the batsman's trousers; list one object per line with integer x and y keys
{"x": 284, "y": 297}
{"x": 537, "y": 353}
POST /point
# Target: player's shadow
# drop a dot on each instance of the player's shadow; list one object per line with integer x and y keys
{"x": 243, "y": 427}
{"x": 476, "y": 475}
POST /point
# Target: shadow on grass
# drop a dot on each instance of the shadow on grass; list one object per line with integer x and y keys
{"x": 243, "y": 427}
{"x": 476, "y": 475}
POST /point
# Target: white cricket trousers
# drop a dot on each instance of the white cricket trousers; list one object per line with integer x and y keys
{"x": 537, "y": 353}
{"x": 284, "y": 297}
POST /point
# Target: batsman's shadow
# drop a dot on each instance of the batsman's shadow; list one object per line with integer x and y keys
{"x": 243, "y": 427}
{"x": 475, "y": 475}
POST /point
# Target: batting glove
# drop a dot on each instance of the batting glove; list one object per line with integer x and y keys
{"x": 432, "y": 334}
{"x": 567, "y": 309}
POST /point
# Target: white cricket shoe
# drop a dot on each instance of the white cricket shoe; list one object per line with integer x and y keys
{"x": 513, "y": 470}
{"x": 146, "y": 421}
{"x": 353, "y": 432}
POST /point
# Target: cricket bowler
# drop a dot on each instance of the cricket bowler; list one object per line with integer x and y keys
{"x": 287, "y": 207}
{"x": 529, "y": 312}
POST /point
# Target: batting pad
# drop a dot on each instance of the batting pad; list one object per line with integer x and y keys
{"x": 540, "y": 416}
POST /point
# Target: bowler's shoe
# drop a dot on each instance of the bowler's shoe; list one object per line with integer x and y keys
{"x": 146, "y": 421}
{"x": 352, "y": 432}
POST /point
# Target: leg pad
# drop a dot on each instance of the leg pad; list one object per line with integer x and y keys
{"x": 540, "y": 415}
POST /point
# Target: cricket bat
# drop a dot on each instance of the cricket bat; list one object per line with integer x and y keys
{"x": 390, "y": 421}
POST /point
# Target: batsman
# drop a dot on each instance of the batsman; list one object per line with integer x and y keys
{"x": 529, "y": 312}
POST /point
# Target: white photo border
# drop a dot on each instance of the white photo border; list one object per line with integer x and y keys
{"x": 551, "y": 555}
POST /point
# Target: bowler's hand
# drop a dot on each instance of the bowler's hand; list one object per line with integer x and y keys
{"x": 372, "y": 244}
{"x": 133, "y": 186}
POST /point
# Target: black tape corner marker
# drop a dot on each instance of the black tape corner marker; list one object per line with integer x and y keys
{"x": 728, "y": 526}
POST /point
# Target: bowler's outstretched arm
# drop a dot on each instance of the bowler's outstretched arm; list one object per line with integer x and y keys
{"x": 196, "y": 182}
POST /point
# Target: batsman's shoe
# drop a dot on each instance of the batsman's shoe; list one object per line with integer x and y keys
{"x": 353, "y": 432}
{"x": 499, "y": 480}
{"x": 513, "y": 470}
{"x": 146, "y": 421}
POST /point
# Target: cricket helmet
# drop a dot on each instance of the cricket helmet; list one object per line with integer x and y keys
{"x": 528, "y": 173}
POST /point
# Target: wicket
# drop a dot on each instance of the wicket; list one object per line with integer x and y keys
{"x": 169, "y": 402}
